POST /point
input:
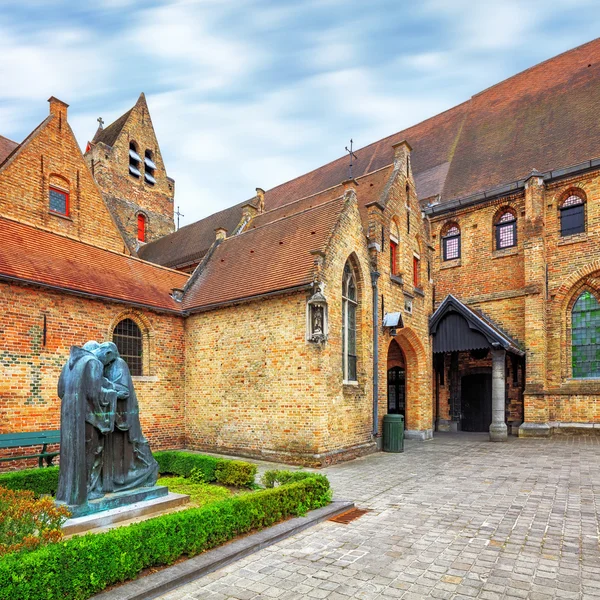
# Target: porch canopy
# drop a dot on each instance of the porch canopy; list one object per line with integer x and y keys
{"x": 455, "y": 327}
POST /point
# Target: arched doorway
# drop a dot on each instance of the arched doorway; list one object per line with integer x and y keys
{"x": 396, "y": 380}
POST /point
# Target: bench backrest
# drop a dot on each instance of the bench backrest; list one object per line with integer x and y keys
{"x": 29, "y": 438}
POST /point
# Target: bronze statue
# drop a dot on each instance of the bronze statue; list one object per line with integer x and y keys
{"x": 102, "y": 448}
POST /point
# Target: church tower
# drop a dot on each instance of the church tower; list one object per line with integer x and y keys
{"x": 127, "y": 165}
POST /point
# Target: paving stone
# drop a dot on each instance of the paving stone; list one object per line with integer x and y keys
{"x": 456, "y": 517}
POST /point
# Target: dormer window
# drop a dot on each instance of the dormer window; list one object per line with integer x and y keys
{"x": 149, "y": 168}
{"x": 134, "y": 160}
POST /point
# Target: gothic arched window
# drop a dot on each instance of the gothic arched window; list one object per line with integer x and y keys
{"x": 128, "y": 338}
{"x": 572, "y": 215}
{"x": 149, "y": 168}
{"x": 506, "y": 230}
{"x": 585, "y": 336}
{"x": 451, "y": 242}
{"x": 349, "y": 306}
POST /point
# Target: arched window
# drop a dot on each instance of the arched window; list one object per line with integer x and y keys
{"x": 451, "y": 242}
{"x": 349, "y": 305}
{"x": 394, "y": 238}
{"x": 506, "y": 230}
{"x": 585, "y": 336}
{"x": 141, "y": 227}
{"x": 572, "y": 215}
{"x": 128, "y": 338}
{"x": 149, "y": 168}
{"x": 134, "y": 160}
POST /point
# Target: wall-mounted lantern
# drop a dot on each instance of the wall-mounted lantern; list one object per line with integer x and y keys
{"x": 317, "y": 317}
{"x": 392, "y": 322}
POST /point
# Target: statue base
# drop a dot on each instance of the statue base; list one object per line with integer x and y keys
{"x": 117, "y": 500}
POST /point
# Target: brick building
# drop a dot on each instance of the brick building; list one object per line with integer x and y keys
{"x": 453, "y": 280}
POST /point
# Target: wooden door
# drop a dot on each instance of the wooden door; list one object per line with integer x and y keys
{"x": 397, "y": 391}
{"x": 476, "y": 401}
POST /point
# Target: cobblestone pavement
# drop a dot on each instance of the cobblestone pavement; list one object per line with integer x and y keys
{"x": 457, "y": 517}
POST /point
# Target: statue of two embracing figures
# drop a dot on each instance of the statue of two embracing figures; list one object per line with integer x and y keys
{"x": 102, "y": 448}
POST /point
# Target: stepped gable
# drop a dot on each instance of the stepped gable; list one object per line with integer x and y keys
{"x": 6, "y": 148}
{"x": 545, "y": 118}
{"x": 271, "y": 258}
{"x": 33, "y": 255}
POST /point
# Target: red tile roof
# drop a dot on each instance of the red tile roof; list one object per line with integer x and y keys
{"x": 37, "y": 256}
{"x": 545, "y": 118}
{"x": 6, "y": 147}
{"x": 273, "y": 257}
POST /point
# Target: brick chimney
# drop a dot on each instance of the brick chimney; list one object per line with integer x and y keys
{"x": 58, "y": 107}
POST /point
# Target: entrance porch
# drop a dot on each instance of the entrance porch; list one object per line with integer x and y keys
{"x": 479, "y": 373}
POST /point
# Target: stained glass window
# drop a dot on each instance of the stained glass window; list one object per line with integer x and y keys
{"x": 585, "y": 331}
{"x": 58, "y": 201}
{"x": 572, "y": 216}
{"x": 128, "y": 338}
{"x": 349, "y": 305}
{"x": 451, "y": 243}
{"x": 506, "y": 231}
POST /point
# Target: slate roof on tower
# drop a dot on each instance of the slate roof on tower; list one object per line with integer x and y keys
{"x": 109, "y": 134}
{"x": 544, "y": 117}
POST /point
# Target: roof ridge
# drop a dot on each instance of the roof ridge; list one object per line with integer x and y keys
{"x": 74, "y": 239}
{"x": 535, "y": 66}
{"x": 300, "y": 212}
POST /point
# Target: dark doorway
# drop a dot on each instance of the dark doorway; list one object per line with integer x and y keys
{"x": 397, "y": 391}
{"x": 476, "y": 396}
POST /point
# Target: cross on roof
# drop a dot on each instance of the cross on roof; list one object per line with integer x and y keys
{"x": 352, "y": 156}
{"x": 101, "y": 122}
{"x": 179, "y": 214}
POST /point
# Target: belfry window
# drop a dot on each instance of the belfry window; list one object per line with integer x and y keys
{"x": 572, "y": 216}
{"x": 349, "y": 306}
{"x": 128, "y": 338}
{"x": 141, "y": 227}
{"x": 585, "y": 336}
{"x": 134, "y": 160}
{"x": 149, "y": 168}
{"x": 506, "y": 231}
{"x": 451, "y": 243}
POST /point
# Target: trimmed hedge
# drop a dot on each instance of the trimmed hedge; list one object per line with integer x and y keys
{"x": 272, "y": 478}
{"x": 39, "y": 481}
{"x": 221, "y": 470}
{"x": 83, "y": 566}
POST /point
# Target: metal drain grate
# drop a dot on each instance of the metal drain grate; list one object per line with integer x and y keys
{"x": 349, "y": 515}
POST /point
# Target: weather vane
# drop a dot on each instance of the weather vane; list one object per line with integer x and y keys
{"x": 352, "y": 156}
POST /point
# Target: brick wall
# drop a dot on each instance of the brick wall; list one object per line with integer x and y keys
{"x": 29, "y": 369}
{"x": 52, "y": 157}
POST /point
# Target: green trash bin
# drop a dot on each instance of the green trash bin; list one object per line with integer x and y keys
{"x": 393, "y": 433}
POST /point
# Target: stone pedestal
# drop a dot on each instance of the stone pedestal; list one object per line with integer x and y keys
{"x": 118, "y": 500}
{"x": 498, "y": 429}
{"x": 535, "y": 430}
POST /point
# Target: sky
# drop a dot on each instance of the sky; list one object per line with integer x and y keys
{"x": 252, "y": 93}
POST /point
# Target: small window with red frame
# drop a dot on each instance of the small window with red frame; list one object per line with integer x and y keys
{"x": 58, "y": 201}
{"x": 416, "y": 272}
{"x": 393, "y": 258}
{"x": 141, "y": 233}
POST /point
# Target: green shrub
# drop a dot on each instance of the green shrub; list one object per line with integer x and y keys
{"x": 82, "y": 566}
{"x": 272, "y": 478}
{"x": 39, "y": 481}
{"x": 221, "y": 470}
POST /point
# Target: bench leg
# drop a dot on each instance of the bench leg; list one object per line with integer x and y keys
{"x": 41, "y": 459}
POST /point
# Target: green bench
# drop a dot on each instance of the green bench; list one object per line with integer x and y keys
{"x": 31, "y": 438}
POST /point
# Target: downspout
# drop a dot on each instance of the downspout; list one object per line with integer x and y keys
{"x": 374, "y": 278}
